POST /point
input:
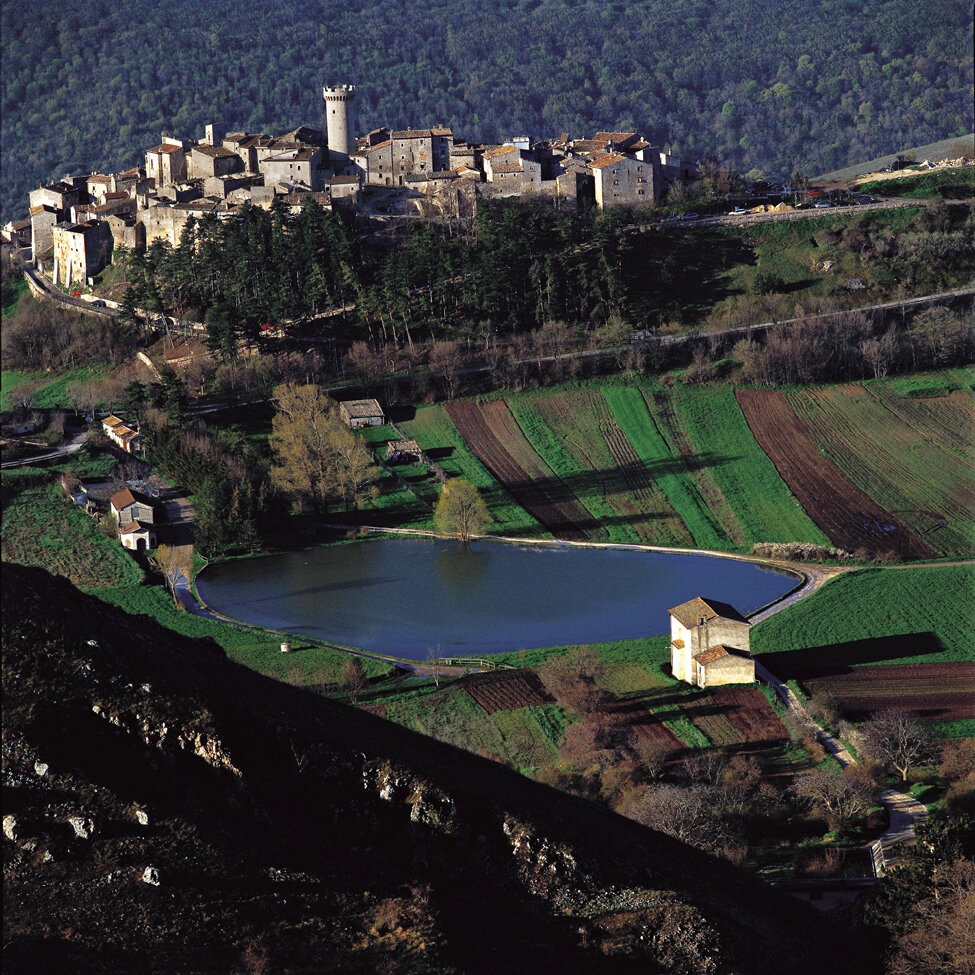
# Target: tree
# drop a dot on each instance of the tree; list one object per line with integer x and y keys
{"x": 353, "y": 678}
{"x": 898, "y": 739}
{"x": 316, "y": 457}
{"x": 573, "y": 678}
{"x": 175, "y": 563}
{"x": 446, "y": 359}
{"x": 461, "y": 510}
{"x": 841, "y": 795}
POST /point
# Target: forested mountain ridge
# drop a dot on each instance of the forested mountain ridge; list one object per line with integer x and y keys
{"x": 767, "y": 85}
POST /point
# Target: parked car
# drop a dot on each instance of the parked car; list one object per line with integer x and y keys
{"x": 691, "y": 216}
{"x": 98, "y": 304}
{"x": 737, "y": 212}
{"x": 820, "y": 206}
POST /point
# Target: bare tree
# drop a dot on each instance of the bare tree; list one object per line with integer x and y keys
{"x": 446, "y": 358}
{"x": 572, "y": 677}
{"x": 353, "y": 678}
{"x": 898, "y": 739}
{"x": 434, "y": 665}
{"x": 841, "y": 795}
{"x": 653, "y": 755}
{"x": 689, "y": 814}
{"x": 175, "y": 563}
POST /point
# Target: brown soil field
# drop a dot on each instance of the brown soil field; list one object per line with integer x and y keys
{"x": 942, "y": 691}
{"x": 585, "y": 424}
{"x": 644, "y": 723}
{"x": 495, "y": 437}
{"x": 736, "y": 716}
{"x": 507, "y": 690}
{"x": 850, "y": 518}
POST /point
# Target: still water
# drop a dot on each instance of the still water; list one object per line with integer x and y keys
{"x": 404, "y": 597}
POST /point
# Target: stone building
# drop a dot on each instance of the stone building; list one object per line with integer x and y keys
{"x": 622, "y": 181}
{"x": 43, "y": 219}
{"x": 361, "y": 413}
{"x": 245, "y": 145}
{"x": 710, "y": 644}
{"x": 301, "y": 164}
{"x": 80, "y": 251}
{"x": 127, "y": 232}
{"x": 340, "y": 124}
{"x": 207, "y": 161}
{"x": 166, "y": 163}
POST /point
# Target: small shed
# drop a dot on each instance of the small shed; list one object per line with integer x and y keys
{"x": 403, "y": 452}
{"x": 362, "y": 413}
{"x": 138, "y": 536}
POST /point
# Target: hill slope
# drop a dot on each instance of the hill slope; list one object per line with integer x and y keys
{"x": 285, "y": 824}
{"x": 87, "y": 84}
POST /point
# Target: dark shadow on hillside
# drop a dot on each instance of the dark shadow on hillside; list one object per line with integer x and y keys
{"x": 400, "y": 414}
{"x": 439, "y": 453}
{"x": 840, "y": 658}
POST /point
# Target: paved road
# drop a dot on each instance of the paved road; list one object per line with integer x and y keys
{"x": 71, "y": 447}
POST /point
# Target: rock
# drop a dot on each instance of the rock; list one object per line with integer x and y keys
{"x": 10, "y": 827}
{"x": 92, "y": 643}
{"x": 83, "y": 826}
{"x": 41, "y": 768}
{"x": 151, "y": 876}
{"x": 142, "y": 817}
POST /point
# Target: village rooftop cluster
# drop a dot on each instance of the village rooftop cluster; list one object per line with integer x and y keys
{"x": 77, "y": 223}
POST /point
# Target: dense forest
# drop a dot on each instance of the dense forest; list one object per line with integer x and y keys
{"x": 90, "y": 84}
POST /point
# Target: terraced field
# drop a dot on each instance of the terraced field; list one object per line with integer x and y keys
{"x": 723, "y": 446}
{"x": 507, "y": 690}
{"x": 849, "y": 516}
{"x": 495, "y": 437}
{"x": 586, "y": 427}
{"x": 914, "y": 457}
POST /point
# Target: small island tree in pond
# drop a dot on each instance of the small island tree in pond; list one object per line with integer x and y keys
{"x": 461, "y": 510}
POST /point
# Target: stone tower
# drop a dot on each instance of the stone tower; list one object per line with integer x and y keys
{"x": 340, "y": 121}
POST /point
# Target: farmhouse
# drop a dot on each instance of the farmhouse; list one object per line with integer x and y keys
{"x": 403, "y": 451}
{"x": 135, "y": 519}
{"x": 361, "y": 413}
{"x": 123, "y": 436}
{"x": 709, "y": 644}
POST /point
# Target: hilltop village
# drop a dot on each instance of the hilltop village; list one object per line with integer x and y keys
{"x": 76, "y": 223}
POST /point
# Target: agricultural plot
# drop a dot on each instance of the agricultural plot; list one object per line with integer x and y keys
{"x": 724, "y": 447}
{"x": 507, "y": 690}
{"x": 937, "y": 692}
{"x": 434, "y": 431}
{"x": 875, "y": 616}
{"x": 586, "y": 427}
{"x": 914, "y": 457}
{"x": 587, "y": 482}
{"x": 631, "y": 412}
{"x": 851, "y": 518}
{"x": 495, "y": 437}
{"x": 732, "y": 716}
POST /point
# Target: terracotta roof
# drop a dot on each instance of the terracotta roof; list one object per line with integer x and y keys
{"x": 504, "y": 168}
{"x": 165, "y": 148}
{"x": 111, "y": 421}
{"x": 500, "y": 151}
{"x": 610, "y": 159}
{"x": 117, "y": 195}
{"x": 412, "y": 134}
{"x": 34, "y": 211}
{"x": 134, "y": 171}
{"x": 639, "y": 144}
{"x": 690, "y": 613}
{"x": 98, "y": 178}
{"x": 215, "y": 152}
{"x": 378, "y": 145}
{"x": 134, "y": 526}
{"x": 709, "y": 656}
{"x": 614, "y": 136}
{"x": 122, "y": 500}
{"x": 441, "y": 130}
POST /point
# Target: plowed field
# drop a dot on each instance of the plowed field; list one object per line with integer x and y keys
{"x": 735, "y": 716}
{"x": 940, "y": 692}
{"x": 507, "y": 690}
{"x": 913, "y": 457}
{"x": 644, "y": 723}
{"x": 495, "y": 437}
{"x": 587, "y": 428}
{"x": 850, "y": 518}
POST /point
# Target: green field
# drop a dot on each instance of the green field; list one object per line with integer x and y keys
{"x": 762, "y": 505}
{"x": 630, "y": 411}
{"x": 958, "y": 184}
{"x": 909, "y": 615}
{"x": 436, "y": 434}
{"x": 42, "y": 527}
{"x": 51, "y": 389}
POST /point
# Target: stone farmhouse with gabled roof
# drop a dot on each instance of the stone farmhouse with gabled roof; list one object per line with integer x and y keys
{"x": 710, "y": 644}
{"x": 361, "y": 413}
{"x": 621, "y": 179}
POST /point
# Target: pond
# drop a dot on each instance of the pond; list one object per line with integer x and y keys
{"x": 406, "y": 597}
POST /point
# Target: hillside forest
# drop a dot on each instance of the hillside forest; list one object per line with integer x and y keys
{"x": 760, "y": 86}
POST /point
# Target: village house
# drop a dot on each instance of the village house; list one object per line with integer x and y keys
{"x": 403, "y": 452}
{"x": 361, "y": 413}
{"x": 135, "y": 520}
{"x": 709, "y": 644}
{"x": 302, "y": 164}
{"x": 17, "y": 232}
{"x": 81, "y": 250}
{"x": 206, "y": 161}
{"x": 166, "y": 163}
{"x": 122, "y": 435}
{"x": 623, "y": 180}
